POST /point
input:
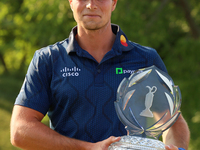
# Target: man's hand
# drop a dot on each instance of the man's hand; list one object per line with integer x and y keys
{"x": 27, "y": 132}
{"x": 178, "y": 134}
{"x": 171, "y": 147}
{"x": 103, "y": 145}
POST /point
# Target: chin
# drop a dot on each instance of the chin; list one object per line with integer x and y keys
{"x": 95, "y": 26}
{"x": 92, "y": 27}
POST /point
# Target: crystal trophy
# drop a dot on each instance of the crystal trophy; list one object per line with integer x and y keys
{"x": 148, "y": 103}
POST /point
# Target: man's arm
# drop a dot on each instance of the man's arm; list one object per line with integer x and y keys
{"x": 178, "y": 135}
{"x": 27, "y": 132}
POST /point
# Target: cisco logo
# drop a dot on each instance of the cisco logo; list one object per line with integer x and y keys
{"x": 67, "y": 72}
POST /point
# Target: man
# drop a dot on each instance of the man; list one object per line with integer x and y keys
{"x": 76, "y": 80}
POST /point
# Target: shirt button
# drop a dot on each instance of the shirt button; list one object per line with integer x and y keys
{"x": 99, "y": 70}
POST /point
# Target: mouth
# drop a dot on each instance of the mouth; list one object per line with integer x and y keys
{"x": 91, "y": 15}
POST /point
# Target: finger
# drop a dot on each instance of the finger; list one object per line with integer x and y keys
{"x": 171, "y": 147}
{"x": 115, "y": 139}
{"x": 112, "y": 139}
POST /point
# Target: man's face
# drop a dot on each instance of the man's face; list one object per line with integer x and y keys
{"x": 92, "y": 14}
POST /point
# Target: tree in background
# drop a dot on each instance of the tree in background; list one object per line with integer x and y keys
{"x": 27, "y": 25}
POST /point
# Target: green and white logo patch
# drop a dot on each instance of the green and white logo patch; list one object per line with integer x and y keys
{"x": 123, "y": 71}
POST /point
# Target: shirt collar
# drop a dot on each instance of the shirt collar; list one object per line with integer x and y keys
{"x": 121, "y": 42}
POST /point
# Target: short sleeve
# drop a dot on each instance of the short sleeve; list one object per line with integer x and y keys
{"x": 159, "y": 63}
{"x": 35, "y": 92}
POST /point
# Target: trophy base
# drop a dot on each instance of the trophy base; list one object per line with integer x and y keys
{"x": 137, "y": 143}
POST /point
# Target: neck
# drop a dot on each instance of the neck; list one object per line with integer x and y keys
{"x": 96, "y": 42}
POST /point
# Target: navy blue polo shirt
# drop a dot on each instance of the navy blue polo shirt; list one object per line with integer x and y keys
{"x": 76, "y": 91}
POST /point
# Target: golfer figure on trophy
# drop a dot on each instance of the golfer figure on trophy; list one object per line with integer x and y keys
{"x": 148, "y": 103}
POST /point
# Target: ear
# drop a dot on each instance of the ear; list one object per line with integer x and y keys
{"x": 70, "y": 2}
{"x": 114, "y": 4}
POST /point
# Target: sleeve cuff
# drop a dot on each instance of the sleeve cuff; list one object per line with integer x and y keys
{"x": 181, "y": 148}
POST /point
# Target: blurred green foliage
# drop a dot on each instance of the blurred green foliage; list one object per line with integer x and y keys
{"x": 171, "y": 27}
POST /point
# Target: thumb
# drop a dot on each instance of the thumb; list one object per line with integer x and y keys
{"x": 171, "y": 147}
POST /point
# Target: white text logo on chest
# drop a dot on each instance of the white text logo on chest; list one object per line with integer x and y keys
{"x": 67, "y": 72}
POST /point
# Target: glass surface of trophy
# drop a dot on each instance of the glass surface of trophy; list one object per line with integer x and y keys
{"x": 148, "y": 103}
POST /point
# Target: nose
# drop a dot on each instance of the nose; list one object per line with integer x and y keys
{"x": 91, "y": 4}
